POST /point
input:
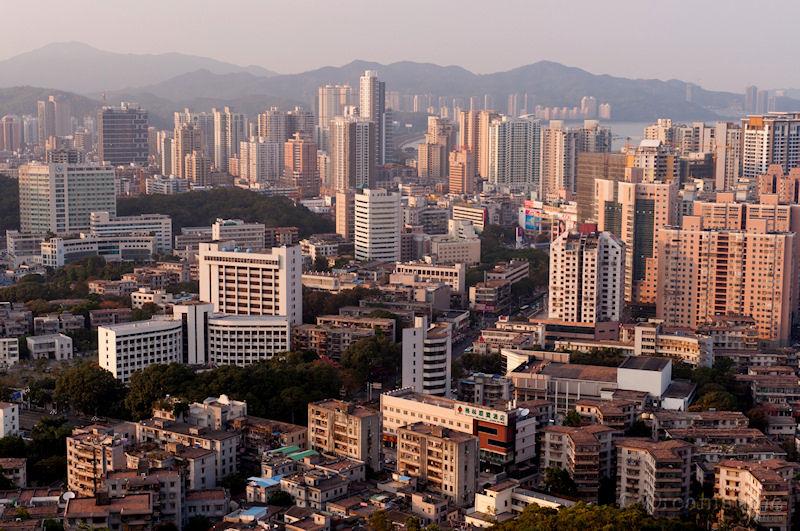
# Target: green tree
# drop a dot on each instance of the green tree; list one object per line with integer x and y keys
{"x": 572, "y": 418}
{"x": 280, "y": 498}
{"x": 154, "y": 383}
{"x": 558, "y": 481}
{"x": 487, "y": 363}
{"x": 373, "y": 359}
{"x": 87, "y": 388}
{"x": 413, "y": 524}
{"x": 13, "y": 446}
{"x": 719, "y": 400}
{"x": 379, "y": 521}
{"x": 198, "y": 523}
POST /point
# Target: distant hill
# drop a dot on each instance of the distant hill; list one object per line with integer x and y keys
{"x": 168, "y": 82}
{"x": 78, "y": 67}
{"x": 22, "y": 100}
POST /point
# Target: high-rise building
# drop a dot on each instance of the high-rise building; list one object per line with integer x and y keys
{"x": 300, "y": 165}
{"x": 432, "y": 158}
{"x": 427, "y": 357}
{"x": 770, "y": 139}
{"x": 372, "y": 106}
{"x": 55, "y": 118}
{"x": 593, "y": 138}
{"x": 229, "y": 131}
{"x": 347, "y": 430}
{"x": 187, "y": 140}
{"x": 750, "y": 95}
{"x": 259, "y": 160}
{"x": 463, "y": 174}
{"x": 657, "y": 161}
{"x": 514, "y": 154}
{"x": 242, "y": 283}
{"x": 59, "y": 197}
{"x": 10, "y": 133}
{"x": 352, "y": 143}
{"x": 728, "y": 150}
{"x": 345, "y": 214}
{"x": 167, "y": 154}
{"x": 593, "y": 166}
{"x": 587, "y": 277}
{"x": 203, "y": 122}
{"x": 635, "y": 212}
{"x": 122, "y": 134}
{"x": 559, "y": 150}
{"x": 707, "y": 272}
{"x": 331, "y": 102}
{"x": 198, "y": 168}
{"x": 377, "y": 224}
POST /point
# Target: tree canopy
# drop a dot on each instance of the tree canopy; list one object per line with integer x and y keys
{"x": 200, "y": 208}
{"x": 89, "y": 389}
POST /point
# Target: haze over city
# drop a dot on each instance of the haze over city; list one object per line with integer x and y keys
{"x": 707, "y": 43}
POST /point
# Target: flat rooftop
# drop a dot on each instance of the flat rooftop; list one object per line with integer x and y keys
{"x": 645, "y": 363}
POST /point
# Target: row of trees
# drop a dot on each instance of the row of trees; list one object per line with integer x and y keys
{"x": 279, "y": 389}
{"x": 203, "y": 207}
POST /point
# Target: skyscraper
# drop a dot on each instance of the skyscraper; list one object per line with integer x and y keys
{"x": 122, "y": 134}
{"x": 559, "y": 150}
{"x": 750, "y": 95}
{"x": 55, "y": 118}
{"x": 187, "y": 140}
{"x": 770, "y": 139}
{"x": 352, "y": 143}
{"x": 300, "y": 164}
{"x": 728, "y": 147}
{"x": 331, "y": 102}
{"x": 259, "y": 160}
{"x": 514, "y": 153}
{"x": 10, "y": 133}
{"x": 378, "y": 219}
{"x": 229, "y": 131}
{"x": 372, "y": 106}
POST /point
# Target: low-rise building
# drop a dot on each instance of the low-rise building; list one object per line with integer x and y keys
{"x": 491, "y": 390}
{"x": 327, "y": 341}
{"x": 315, "y": 488}
{"x": 109, "y": 316}
{"x": 58, "y": 323}
{"x": 50, "y": 347}
{"x": 491, "y": 296}
{"x": 125, "y": 348}
{"x": 15, "y": 469}
{"x": 617, "y": 414}
{"x": 246, "y": 339}
{"x": 512, "y": 271}
{"x": 446, "y": 460}
{"x": 9, "y": 351}
{"x": 112, "y": 288}
{"x": 427, "y": 353}
{"x": 505, "y": 500}
{"x": 134, "y": 511}
{"x": 92, "y": 452}
{"x": 454, "y": 274}
{"x": 9, "y": 419}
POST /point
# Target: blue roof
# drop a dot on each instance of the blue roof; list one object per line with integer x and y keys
{"x": 255, "y": 511}
{"x": 265, "y": 482}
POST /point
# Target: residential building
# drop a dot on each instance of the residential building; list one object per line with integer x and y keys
{"x": 377, "y": 225}
{"x": 347, "y": 430}
{"x": 300, "y": 165}
{"x": 512, "y": 271}
{"x": 463, "y": 172}
{"x": 372, "y": 107}
{"x": 134, "y": 511}
{"x": 770, "y": 139}
{"x": 249, "y": 236}
{"x": 654, "y": 474}
{"x": 229, "y": 131}
{"x": 259, "y": 160}
{"x": 246, "y": 339}
{"x": 50, "y": 347}
{"x": 331, "y": 102}
{"x": 514, "y": 154}
{"x": 445, "y": 459}
{"x": 9, "y": 351}
{"x": 454, "y": 274}
{"x": 586, "y": 277}
{"x": 427, "y": 357}
{"x": 492, "y": 296}
{"x": 92, "y": 452}
{"x": 352, "y": 151}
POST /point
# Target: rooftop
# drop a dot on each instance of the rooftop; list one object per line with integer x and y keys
{"x": 645, "y": 363}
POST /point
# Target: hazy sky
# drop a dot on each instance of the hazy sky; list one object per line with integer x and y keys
{"x": 719, "y": 44}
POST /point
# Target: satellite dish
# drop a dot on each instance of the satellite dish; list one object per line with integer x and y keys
{"x": 69, "y": 495}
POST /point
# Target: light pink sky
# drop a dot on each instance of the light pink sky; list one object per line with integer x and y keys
{"x": 719, "y": 44}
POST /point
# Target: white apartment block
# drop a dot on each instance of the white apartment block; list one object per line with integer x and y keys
{"x": 773, "y": 138}
{"x": 514, "y": 154}
{"x": 156, "y": 225}
{"x": 60, "y": 198}
{"x": 246, "y": 339}
{"x": 9, "y": 417}
{"x": 126, "y": 348}
{"x": 248, "y": 236}
{"x": 9, "y": 351}
{"x": 377, "y": 225}
{"x": 427, "y": 357}
{"x": 50, "y": 347}
{"x": 57, "y": 252}
{"x": 454, "y": 275}
{"x": 346, "y": 430}
{"x": 242, "y": 283}
{"x": 260, "y": 160}
{"x": 587, "y": 278}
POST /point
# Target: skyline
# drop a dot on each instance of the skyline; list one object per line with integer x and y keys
{"x": 594, "y": 37}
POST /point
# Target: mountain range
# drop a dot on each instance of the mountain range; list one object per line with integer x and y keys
{"x": 166, "y": 82}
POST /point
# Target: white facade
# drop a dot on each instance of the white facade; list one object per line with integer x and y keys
{"x": 229, "y": 131}
{"x": 377, "y": 225}
{"x": 241, "y": 283}
{"x": 9, "y": 414}
{"x": 195, "y": 329}
{"x": 9, "y": 351}
{"x": 60, "y": 197}
{"x": 770, "y": 139}
{"x": 559, "y": 161}
{"x": 56, "y": 252}
{"x": 454, "y": 275}
{"x": 126, "y": 348}
{"x": 157, "y": 225}
{"x": 50, "y": 347}
{"x": 587, "y": 280}
{"x": 246, "y": 339}
{"x": 246, "y": 235}
{"x": 259, "y": 160}
{"x": 514, "y": 154}
{"x": 427, "y": 357}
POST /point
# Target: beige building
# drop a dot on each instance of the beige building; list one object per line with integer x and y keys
{"x": 246, "y": 235}
{"x": 252, "y": 283}
{"x": 347, "y": 430}
{"x": 654, "y": 474}
{"x": 454, "y": 275}
{"x": 92, "y": 452}
{"x": 447, "y": 460}
{"x": 704, "y": 273}
{"x": 765, "y": 490}
{"x": 586, "y": 452}
{"x": 462, "y": 172}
